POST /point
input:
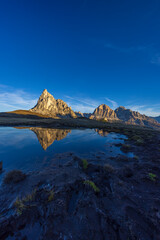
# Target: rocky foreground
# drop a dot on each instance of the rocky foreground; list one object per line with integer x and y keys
{"x": 80, "y": 199}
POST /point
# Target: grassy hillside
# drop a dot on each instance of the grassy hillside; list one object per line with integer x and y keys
{"x": 27, "y": 112}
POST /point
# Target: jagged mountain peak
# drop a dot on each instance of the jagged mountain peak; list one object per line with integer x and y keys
{"x": 103, "y": 111}
{"x": 104, "y": 106}
{"x": 48, "y": 105}
{"x": 121, "y": 107}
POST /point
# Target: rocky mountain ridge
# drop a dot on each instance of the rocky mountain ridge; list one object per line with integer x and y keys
{"x": 127, "y": 116}
{"x": 47, "y": 105}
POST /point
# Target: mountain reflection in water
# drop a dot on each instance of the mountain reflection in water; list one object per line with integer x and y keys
{"x": 20, "y": 149}
{"x": 47, "y": 136}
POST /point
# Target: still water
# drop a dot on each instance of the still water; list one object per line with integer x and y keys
{"x": 32, "y": 148}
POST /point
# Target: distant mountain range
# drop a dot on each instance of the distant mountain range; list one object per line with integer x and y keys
{"x": 157, "y": 118}
{"x": 47, "y": 105}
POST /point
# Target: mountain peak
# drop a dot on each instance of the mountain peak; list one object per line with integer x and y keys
{"x": 45, "y": 91}
{"x": 104, "y": 106}
{"x": 48, "y": 105}
{"x": 103, "y": 111}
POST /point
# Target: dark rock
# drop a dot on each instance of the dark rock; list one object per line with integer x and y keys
{"x": 1, "y": 165}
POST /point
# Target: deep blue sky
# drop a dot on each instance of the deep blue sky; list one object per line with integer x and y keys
{"x": 85, "y": 52}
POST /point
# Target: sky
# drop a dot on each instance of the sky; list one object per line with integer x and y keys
{"x": 85, "y": 52}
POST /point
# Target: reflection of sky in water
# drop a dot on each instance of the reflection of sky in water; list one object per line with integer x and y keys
{"x": 21, "y": 148}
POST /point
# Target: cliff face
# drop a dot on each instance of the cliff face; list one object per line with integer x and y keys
{"x": 48, "y": 105}
{"x": 104, "y": 112}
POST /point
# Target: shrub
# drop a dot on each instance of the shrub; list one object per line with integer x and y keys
{"x": 85, "y": 164}
{"x": 152, "y": 177}
{"x": 92, "y": 185}
{"x": 14, "y": 176}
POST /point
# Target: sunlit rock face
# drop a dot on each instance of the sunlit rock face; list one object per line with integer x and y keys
{"x": 46, "y": 136}
{"x": 104, "y": 112}
{"x": 48, "y": 105}
{"x": 133, "y": 117}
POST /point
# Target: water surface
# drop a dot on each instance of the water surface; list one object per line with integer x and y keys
{"x": 32, "y": 148}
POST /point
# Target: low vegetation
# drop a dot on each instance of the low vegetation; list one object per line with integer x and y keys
{"x": 85, "y": 164}
{"x": 29, "y": 113}
{"x": 14, "y": 176}
{"x": 51, "y": 196}
{"x": 109, "y": 168}
{"x": 125, "y": 148}
{"x": 30, "y": 197}
{"x": 152, "y": 177}
{"x": 20, "y": 206}
{"x": 92, "y": 185}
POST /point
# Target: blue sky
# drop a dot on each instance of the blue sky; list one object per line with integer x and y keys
{"x": 86, "y": 52}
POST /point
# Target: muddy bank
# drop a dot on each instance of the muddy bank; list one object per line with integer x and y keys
{"x": 77, "y": 199}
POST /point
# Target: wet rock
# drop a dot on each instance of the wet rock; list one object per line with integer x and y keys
{"x": 1, "y": 165}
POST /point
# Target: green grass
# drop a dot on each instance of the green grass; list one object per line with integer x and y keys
{"x": 30, "y": 197}
{"x": 51, "y": 196}
{"x": 23, "y": 203}
{"x": 20, "y": 206}
{"x": 92, "y": 185}
{"x": 85, "y": 164}
{"x": 152, "y": 176}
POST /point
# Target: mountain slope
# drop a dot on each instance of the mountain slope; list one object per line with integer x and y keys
{"x": 48, "y": 105}
{"x": 133, "y": 117}
{"x": 157, "y": 118}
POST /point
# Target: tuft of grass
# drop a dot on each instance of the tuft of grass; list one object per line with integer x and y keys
{"x": 108, "y": 168}
{"x": 125, "y": 148}
{"x": 51, "y": 196}
{"x": 14, "y": 176}
{"x": 152, "y": 176}
{"x": 136, "y": 157}
{"x": 20, "y": 206}
{"x": 85, "y": 164}
{"x": 30, "y": 197}
{"x": 92, "y": 185}
{"x": 23, "y": 203}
